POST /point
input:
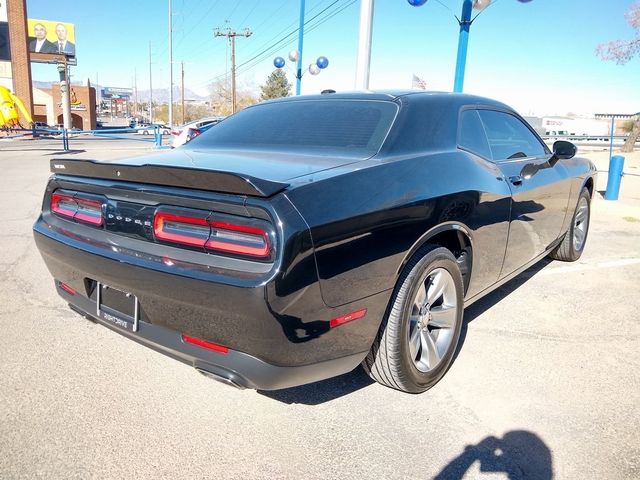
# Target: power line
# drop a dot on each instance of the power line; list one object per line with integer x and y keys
{"x": 202, "y": 17}
{"x": 291, "y": 25}
{"x": 266, "y": 52}
{"x": 249, "y": 14}
{"x": 310, "y": 29}
{"x": 293, "y": 32}
{"x": 256, "y": 36}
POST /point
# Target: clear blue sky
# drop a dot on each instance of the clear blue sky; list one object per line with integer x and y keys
{"x": 537, "y": 56}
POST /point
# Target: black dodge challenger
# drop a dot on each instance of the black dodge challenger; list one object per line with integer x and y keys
{"x": 302, "y": 237}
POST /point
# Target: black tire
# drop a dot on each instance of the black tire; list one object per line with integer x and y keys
{"x": 390, "y": 361}
{"x": 567, "y": 250}
{"x": 145, "y": 132}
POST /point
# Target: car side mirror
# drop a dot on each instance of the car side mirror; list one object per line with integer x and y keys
{"x": 563, "y": 150}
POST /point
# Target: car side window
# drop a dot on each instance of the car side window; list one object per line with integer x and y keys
{"x": 471, "y": 136}
{"x": 508, "y": 137}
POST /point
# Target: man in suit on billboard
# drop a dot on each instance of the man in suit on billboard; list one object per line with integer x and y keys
{"x": 64, "y": 46}
{"x": 40, "y": 44}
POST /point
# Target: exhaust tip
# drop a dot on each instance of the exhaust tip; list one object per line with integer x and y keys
{"x": 227, "y": 380}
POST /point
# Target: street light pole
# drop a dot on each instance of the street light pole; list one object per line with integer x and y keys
{"x": 463, "y": 42}
{"x": 150, "y": 88}
{"x": 300, "y": 41}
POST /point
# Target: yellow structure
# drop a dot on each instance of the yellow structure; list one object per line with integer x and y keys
{"x": 9, "y": 117}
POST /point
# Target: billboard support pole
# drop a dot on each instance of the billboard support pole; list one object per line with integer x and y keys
{"x": 65, "y": 93}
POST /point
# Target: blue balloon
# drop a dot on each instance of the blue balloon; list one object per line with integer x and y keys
{"x": 417, "y": 3}
{"x": 278, "y": 62}
{"x": 322, "y": 62}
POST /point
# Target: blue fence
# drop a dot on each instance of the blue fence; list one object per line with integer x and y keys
{"x": 154, "y": 134}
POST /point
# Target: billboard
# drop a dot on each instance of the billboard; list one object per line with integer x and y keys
{"x": 50, "y": 37}
{"x": 117, "y": 92}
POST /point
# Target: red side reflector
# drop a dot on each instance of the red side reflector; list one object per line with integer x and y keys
{"x": 67, "y": 288}
{"x": 347, "y": 318}
{"x": 198, "y": 342}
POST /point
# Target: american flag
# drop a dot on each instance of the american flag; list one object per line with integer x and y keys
{"x": 417, "y": 82}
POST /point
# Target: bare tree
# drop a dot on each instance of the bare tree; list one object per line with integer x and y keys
{"x": 621, "y": 52}
{"x": 221, "y": 97}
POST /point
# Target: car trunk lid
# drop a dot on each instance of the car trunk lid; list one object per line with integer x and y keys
{"x": 254, "y": 173}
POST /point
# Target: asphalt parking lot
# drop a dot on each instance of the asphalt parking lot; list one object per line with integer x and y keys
{"x": 545, "y": 385}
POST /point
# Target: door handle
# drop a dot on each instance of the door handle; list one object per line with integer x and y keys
{"x": 516, "y": 180}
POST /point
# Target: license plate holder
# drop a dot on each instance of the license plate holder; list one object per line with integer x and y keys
{"x": 118, "y": 307}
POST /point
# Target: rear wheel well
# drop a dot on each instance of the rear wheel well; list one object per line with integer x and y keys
{"x": 589, "y": 186}
{"x": 459, "y": 244}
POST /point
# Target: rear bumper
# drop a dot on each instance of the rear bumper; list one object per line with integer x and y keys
{"x": 277, "y": 338}
{"x": 235, "y": 368}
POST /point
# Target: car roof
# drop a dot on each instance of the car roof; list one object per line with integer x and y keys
{"x": 392, "y": 95}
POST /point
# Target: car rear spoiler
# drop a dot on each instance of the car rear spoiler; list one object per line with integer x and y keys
{"x": 195, "y": 178}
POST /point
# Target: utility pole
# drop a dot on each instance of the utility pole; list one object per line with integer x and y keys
{"x": 182, "y": 90}
{"x": 232, "y": 34}
{"x": 98, "y": 97}
{"x": 150, "y": 89}
{"x": 135, "y": 92}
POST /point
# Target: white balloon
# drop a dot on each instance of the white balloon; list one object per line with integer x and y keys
{"x": 481, "y": 4}
{"x": 293, "y": 55}
{"x": 314, "y": 69}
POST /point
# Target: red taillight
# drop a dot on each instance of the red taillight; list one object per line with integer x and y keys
{"x": 192, "y": 133}
{"x": 214, "y": 235}
{"x": 198, "y": 342}
{"x": 77, "y": 208}
{"x": 239, "y": 239}
{"x": 182, "y": 229}
{"x": 334, "y": 322}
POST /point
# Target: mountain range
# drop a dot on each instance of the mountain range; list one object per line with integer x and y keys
{"x": 160, "y": 95}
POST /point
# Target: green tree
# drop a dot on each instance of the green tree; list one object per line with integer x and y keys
{"x": 276, "y": 86}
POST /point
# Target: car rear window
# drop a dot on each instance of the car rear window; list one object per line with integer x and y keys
{"x": 345, "y": 127}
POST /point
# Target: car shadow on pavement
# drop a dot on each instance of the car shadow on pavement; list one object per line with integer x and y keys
{"x": 323, "y": 391}
{"x": 485, "y": 303}
{"x": 519, "y": 453}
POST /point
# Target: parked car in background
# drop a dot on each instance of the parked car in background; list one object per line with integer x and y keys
{"x": 304, "y": 236}
{"x": 41, "y": 125}
{"x": 184, "y": 133}
{"x": 149, "y": 129}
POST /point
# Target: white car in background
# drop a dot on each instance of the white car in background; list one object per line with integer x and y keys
{"x": 183, "y": 133}
{"x": 149, "y": 129}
